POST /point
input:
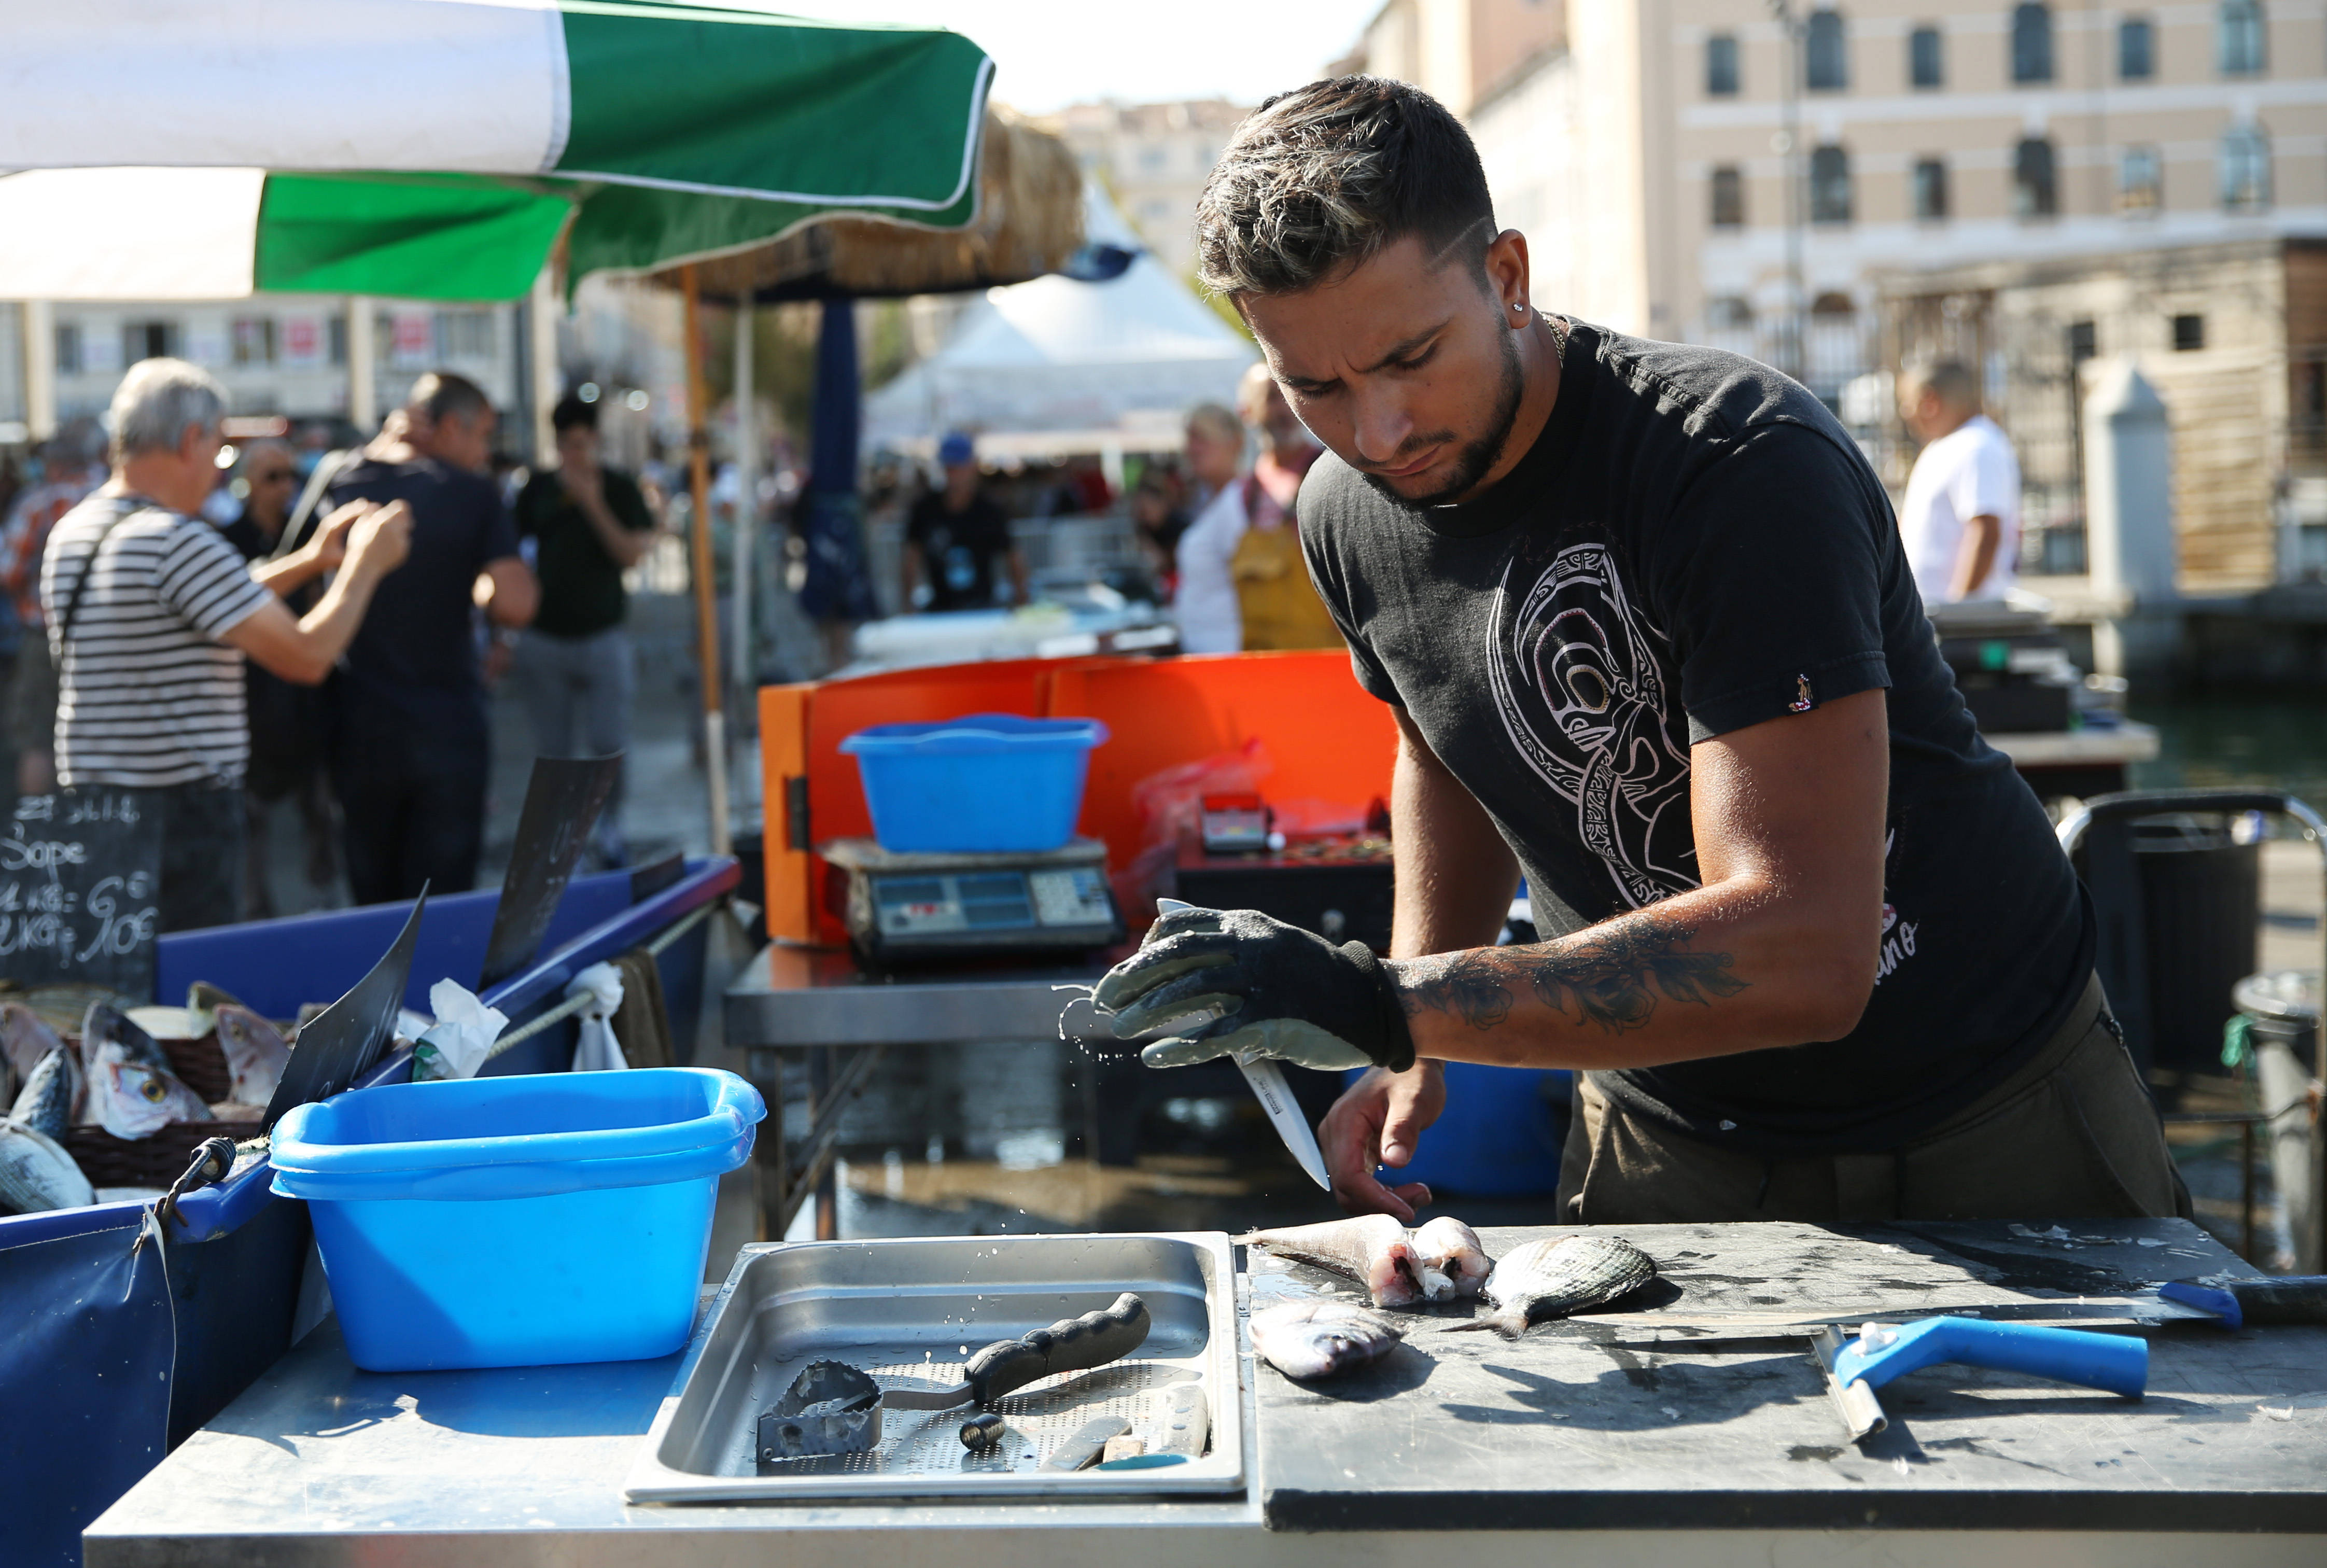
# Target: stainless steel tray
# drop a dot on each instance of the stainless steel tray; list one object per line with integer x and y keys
{"x": 910, "y": 1311}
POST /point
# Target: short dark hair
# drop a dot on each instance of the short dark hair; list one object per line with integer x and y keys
{"x": 442, "y": 394}
{"x": 1325, "y": 177}
{"x": 573, "y": 413}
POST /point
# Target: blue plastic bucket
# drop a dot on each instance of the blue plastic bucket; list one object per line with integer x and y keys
{"x": 516, "y": 1221}
{"x": 980, "y": 784}
{"x": 1496, "y": 1138}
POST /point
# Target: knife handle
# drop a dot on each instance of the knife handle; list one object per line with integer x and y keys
{"x": 2281, "y": 1299}
{"x": 1069, "y": 1344}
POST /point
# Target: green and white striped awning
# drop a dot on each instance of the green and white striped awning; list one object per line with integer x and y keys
{"x": 441, "y": 149}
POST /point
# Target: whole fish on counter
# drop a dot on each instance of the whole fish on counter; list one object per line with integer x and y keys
{"x": 1550, "y": 1279}
{"x": 133, "y": 1092}
{"x": 1309, "y": 1340}
{"x": 1372, "y": 1249}
{"x": 255, "y": 1053}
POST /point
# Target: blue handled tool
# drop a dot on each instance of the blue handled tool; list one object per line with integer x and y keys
{"x": 1855, "y": 1367}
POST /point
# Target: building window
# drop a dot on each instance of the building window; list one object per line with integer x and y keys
{"x": 336, "y": 335}
{"x": 148, "y": 340}
{"x": 1728, "y": 198}
{"x": 2137, "y": 49}
{"x": 2032, "y": 43}
{"x": 254, "y": 340}
{"x": 2084, "y": 341}
{"x": 1926, "y": 62}
{"x": 1829, "y": 185}
{"x": 1721, "y": 65}
{"x": 2245, "y": 168}
{"x": 1827, "y": 62}
{"x": 2035, "y": 193}
{"x": 2141, "y": 182}
{"x": 2188, "y": 334}
{"x": 1729, "y": 324}
{"x": 2238, "y": 37}
{"x": 68, "y": 348}
{"x": 1930, "y": 190}
{"x": 464, "y": 334}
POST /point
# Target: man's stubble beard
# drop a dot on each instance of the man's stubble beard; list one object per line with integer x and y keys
{"x": 1478, "y": 458}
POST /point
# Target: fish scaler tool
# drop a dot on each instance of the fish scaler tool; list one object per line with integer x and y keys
{"x": 832, "y": 1407}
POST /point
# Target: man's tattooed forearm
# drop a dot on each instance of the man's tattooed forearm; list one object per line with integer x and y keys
{"x": 1614, "y": 980}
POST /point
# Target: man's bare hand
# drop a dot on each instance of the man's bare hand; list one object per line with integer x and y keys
{"x": 331, "y": 542}
{"x": 585, "y": 483}
{"x": 1378, "y": 1122}
{"x": 378, "y": 541}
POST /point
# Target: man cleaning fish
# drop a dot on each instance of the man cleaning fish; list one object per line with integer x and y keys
{"x": 1643, "y": 616}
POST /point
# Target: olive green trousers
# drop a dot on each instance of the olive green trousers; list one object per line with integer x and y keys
{"x": 2072, "y": 1134}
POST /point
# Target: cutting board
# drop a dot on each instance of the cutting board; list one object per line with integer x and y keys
{"x": 1563, "y": 1429}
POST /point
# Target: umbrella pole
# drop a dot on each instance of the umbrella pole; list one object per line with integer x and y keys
{"x": 707, "y": 614}
{"x": 747, "y": 504}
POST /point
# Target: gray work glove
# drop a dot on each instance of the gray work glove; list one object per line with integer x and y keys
{"x": 1236, "y": 983}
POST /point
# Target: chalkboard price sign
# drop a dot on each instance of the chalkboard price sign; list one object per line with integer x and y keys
{"x": 78, "y": 874}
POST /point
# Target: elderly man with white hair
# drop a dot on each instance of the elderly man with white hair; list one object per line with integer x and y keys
{"x": 151, "y": 612}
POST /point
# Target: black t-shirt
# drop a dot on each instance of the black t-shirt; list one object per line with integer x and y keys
{"x": 1693, "y": 546}
{"x": 959, "y": 549}
{"x": 415, "y": 657}
{"x": 581, "y": 585}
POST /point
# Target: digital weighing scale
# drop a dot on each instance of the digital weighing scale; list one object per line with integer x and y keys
{"x": 904, "y": 909}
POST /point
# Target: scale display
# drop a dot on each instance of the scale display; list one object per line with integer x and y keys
{"x": 945, "y": 904}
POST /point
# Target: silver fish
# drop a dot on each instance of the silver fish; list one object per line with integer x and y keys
{"x": 51, "y": 1094}
{"x": 1453, "y": 1264}
{"x": 36, "y": 1174}
{"x": 133, "y": 1092}
{"x": 255, "y": 1053}
{"x": 26, "y": 1038}
{"x": 1372, "y": 1249}
{"x": 132, "y": 1100}
{"x": 104, "y": 1023}
{"x": 1308, "y": 1339}
{"x": 1550, "y": 1279}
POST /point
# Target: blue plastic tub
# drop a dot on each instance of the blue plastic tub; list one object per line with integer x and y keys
{"x": 1498, "y": 1137}
{"x": 516, "y": 1221}
{"x": 980, "y": 784}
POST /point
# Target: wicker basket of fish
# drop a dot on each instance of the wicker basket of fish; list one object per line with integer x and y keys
{"x": 117, "y": 1108}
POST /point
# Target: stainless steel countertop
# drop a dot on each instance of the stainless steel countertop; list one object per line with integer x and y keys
{"x": 789, "y": 995}
{"x": 321, "y": 1463}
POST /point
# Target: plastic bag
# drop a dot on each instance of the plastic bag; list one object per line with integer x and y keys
{"x": 456, "y": 1045}
{"x": 595, "y": 1049}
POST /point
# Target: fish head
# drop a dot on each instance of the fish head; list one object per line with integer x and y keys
{"x": 26, "y": 1038}
{"x": 1451, "y": 1250}
{"x": 256, "y": 1055}
{"x": 51, "y": 1100}
{"x": 134, "y": 1100}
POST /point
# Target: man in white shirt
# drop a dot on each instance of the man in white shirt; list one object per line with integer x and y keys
{"x": 1205, "y": 600}
{"x": 1961, "y": 517}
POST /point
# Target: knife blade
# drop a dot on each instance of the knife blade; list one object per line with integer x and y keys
{"x": 1266, "y": 1081}
{"x": 2226, "y": 1303}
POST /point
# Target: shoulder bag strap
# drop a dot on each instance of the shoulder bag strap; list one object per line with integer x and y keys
{"x": 126, "y": 507}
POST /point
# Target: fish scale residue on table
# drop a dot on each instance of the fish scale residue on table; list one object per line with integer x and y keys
{"x": 1037, "y": 1420}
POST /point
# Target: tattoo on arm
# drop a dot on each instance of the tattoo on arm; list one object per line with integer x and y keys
{"x": 1614, "y": 980}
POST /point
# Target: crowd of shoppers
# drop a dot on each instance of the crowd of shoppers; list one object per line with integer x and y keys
{"x": 323, "y": 648}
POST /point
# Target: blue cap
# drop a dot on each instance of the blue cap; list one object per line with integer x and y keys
{"x": 956, "y": 448}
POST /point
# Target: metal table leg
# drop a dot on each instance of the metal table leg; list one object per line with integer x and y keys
{"x": 828, "y": 1181}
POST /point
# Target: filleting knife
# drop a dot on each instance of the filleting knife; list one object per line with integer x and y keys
{"x": 1275, "y": 1095}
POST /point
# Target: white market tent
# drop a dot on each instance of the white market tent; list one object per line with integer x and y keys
{"x": 1056, "y": 355}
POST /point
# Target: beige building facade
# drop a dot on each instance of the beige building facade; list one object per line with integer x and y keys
{"x": 1154, "y": 160}
{"x": 1654, "y": 151}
